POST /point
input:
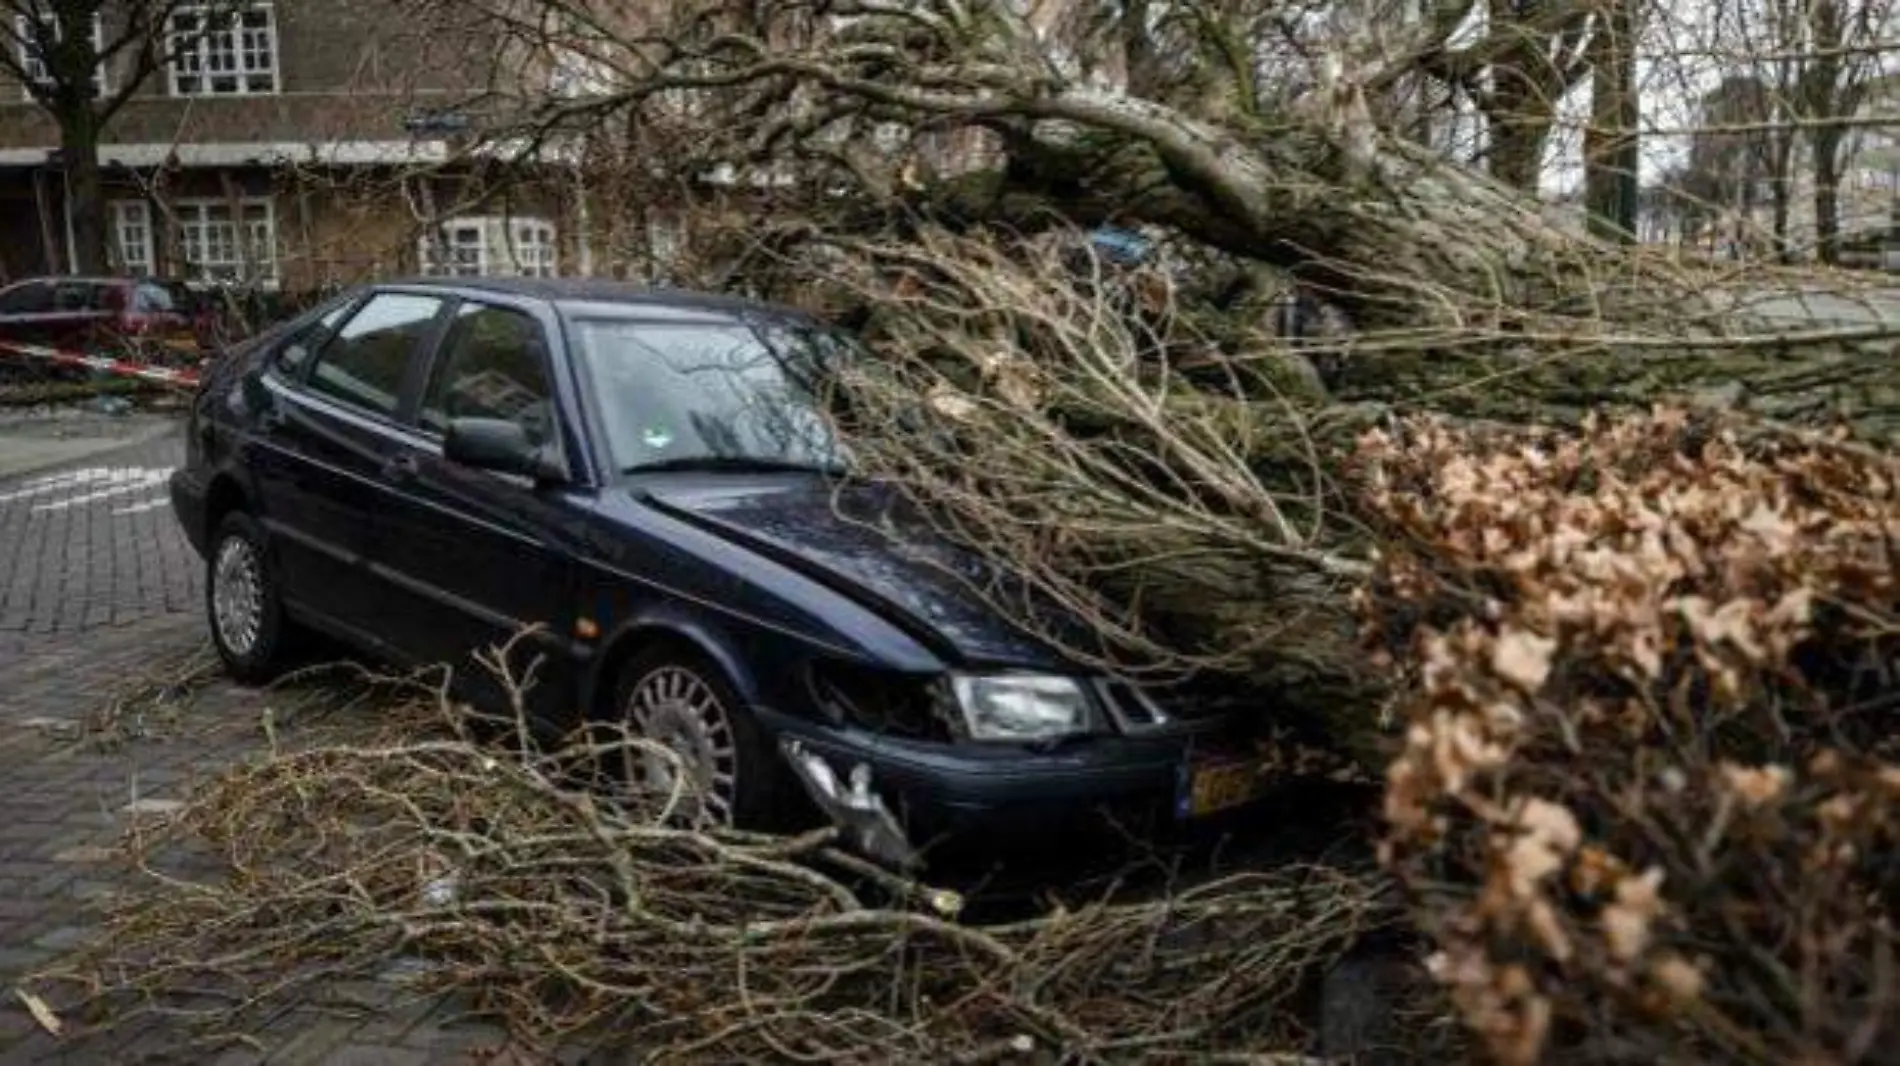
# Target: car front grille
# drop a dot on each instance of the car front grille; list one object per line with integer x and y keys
{"x": 1137, "y": 709}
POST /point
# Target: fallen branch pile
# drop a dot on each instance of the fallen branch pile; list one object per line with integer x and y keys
{"x": 568, "y": 915}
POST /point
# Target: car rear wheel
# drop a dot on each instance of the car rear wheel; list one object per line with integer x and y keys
{"x": 241, "y": 600}
{"x": 724, "y": 771}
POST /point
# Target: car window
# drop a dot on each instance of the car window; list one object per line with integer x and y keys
{"x": 26, "y": 298}
{"x": 78, "y": 296}
{"x": 494, "y": 364}
{"x": 682, "y": 391}
{"x": 296, "y": 350}
{"x": 365, "y": 363}
{"x": 153, "y": 299}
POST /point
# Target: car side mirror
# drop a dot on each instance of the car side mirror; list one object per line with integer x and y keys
{"x": 501, "y": 446}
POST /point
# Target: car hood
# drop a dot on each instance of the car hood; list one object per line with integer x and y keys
{"x": 879, "y": 556}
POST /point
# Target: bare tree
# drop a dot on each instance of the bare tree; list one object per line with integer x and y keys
{"x": 81, "y": 61}
{"x": 1799, "y": 73}
{"x": 1743, "y": 144}
{"x": 1829, "y": 92}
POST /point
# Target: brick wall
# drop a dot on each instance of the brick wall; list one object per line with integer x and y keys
{"x": 346, "y": 69}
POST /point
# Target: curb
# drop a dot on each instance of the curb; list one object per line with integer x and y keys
{"x": 95, "y": 447}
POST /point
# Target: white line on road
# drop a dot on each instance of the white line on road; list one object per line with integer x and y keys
{"x": 91, "y": 484}
{"x": 41, "y": 486}
{"x": 141, "y": 508}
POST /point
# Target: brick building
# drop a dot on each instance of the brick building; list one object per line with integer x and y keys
{"x": 301, "y": 143}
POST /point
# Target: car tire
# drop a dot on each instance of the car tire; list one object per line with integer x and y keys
{"x": 242, "y": 603}
{"x": 680, "y": 691}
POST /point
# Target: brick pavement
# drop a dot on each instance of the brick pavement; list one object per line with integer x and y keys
{"x": 98, "y": 590}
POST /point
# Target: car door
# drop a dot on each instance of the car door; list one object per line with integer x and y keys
{"x": 322, "y": 434}
{"x": 477, "y": 556}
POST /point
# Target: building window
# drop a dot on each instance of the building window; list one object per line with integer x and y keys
{"x": 219, "y": 245}
{"x": 33, "y": 63}
{"x": 132, "y": 233}
{"x": 224, "y": 51}
{"x": 489, "y": 247}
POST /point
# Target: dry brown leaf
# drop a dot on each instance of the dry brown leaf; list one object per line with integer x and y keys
{"x": 1522, "y": 658}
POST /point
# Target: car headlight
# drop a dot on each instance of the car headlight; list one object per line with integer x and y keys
{"x": 1021, "y": 706}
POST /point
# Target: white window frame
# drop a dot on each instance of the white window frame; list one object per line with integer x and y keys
{"x": 35, "y": 67}
{"x": 262, "y": 272}
{"x": 132, "y": 227}
{"x": 176, "y": 39}
{"x": 498, "y": 243}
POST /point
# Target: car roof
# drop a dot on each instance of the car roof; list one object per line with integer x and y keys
{"x": 597, "y": 291}
{"x": 88, "y": 279}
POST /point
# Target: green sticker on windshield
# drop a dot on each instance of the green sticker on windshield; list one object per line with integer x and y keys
{"x": 657, "y": 438}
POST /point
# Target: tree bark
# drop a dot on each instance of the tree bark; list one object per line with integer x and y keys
{"x": 85, "y": 189}
{"x": 1516, "y": 154}
{"x": 1827, "y": 181}
{"x": 1610, "y": 146}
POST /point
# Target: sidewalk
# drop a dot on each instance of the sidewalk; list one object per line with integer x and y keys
{"x": 100, "y": 600}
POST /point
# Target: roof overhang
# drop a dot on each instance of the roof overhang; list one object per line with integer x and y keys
{"x": 295, "y": 153}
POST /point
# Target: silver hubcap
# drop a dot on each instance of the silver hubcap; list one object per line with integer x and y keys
{"x": 237, "y": 595}
{"x": 674, "y": 708}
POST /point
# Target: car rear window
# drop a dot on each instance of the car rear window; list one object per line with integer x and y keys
{"x": 159, "y": 298}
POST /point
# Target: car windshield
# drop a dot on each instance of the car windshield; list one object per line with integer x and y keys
{"x": 683, "y": 395}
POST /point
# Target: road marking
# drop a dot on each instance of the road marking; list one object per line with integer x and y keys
{"x": 155, "y": 477}
{"x": 141, "y": 508}
{"x": 40, "y": 486}
{"x": 75, "y": 488}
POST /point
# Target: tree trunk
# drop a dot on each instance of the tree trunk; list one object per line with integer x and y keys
{"x": 1610, "y": 144}
{"x": 85, "y": 189}
{"x": 1827, "y": 208}
{"x": 1516, "y": 154}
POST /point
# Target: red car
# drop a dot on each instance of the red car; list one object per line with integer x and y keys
{"x": 142, "y": 318}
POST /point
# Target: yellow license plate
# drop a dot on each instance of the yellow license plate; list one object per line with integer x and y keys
{"x": 1221, "y": 786}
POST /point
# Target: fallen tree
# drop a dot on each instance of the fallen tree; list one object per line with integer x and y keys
{"x": 1178, "y": 477}
{"x": 1461, "y": 290}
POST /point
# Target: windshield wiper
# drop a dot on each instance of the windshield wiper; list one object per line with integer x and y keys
{"x": 732, "y": 463}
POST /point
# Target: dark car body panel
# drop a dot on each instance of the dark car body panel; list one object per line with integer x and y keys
{"x": 385, "y": 542}
{"x": 931, "y": 589}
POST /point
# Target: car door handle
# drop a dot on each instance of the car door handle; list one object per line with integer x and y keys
{"x": 401, "y": 468}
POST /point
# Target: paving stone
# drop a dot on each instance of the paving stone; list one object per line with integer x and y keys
{"x": 378, "y": 1055}
{"x": 88, "y": 853}
{"x": 65, "y": 938}
{"x": 314, "y": 1044}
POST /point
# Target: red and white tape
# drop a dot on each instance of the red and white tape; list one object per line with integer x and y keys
{"x": 104, "y": 364}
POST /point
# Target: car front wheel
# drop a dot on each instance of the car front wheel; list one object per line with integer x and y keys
{"x": 241, "y": 599}
{"x": 723, "y": 770}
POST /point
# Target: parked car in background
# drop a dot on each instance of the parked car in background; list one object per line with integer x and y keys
{"x": 161, "y": 320}
{"x": 422, "y": 469}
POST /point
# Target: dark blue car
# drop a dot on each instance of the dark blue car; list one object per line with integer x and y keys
{"x": 648, "y": 483}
